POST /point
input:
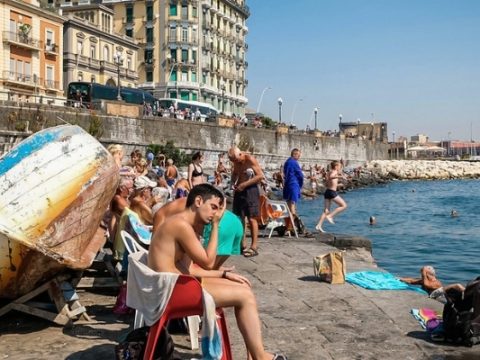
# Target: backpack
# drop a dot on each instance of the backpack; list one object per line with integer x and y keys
{"x": 461, "y": 315}
{"x": 133, "y": 347}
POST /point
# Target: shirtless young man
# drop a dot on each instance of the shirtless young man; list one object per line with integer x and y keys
{"x": 246, "y": 199}
{"x": 330, "y": 195}
{"x": 175, "y": 246}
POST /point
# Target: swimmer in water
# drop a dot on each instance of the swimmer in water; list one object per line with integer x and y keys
{"x": 373, "y": 221}
{"x": 453, "y": 213}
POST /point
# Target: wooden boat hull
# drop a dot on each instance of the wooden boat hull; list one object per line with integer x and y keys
{"x": 54, "y": 189}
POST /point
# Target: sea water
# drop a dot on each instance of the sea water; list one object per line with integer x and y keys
{"x": 414, "y": 225}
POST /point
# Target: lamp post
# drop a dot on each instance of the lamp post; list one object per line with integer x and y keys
{"x": 393, "y": 135}
{"x": 293, "y": 111}
{"x": 223, "y": 98}
{"x": 340, "y": 117}
{"x": 172, "y": 67}
{"x": 118, "y": 59}
{"x": 280, "y": 102}
{"x": 315, "y": 111}
{"x": 261, "y": 98}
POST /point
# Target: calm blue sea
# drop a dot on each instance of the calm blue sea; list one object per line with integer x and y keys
{"x": 414, "y": 226}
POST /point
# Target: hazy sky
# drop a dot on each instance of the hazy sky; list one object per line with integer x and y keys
{"x": 414, "y": 64}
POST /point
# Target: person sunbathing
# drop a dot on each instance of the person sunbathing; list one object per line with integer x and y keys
{"x": 175, "y": 247}
{"x": 431, "y": 284}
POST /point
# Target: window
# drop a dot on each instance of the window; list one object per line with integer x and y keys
{"x": 194, "y": 35}
{"x": 184, "y": 55}
{"x": 149, "y": 33}
{"x": 129, "y": 63}
{"x": 173, "y": 10}
{"x": 194, "y": 12}
{"x": 173, "y": 76}
{"x": 204, "y": 78}
{"x": 149, "y": 76}
{"x": 49, "y": 38}
{"x": 173, "y": 55}
{"x": 129, "y": 32}
{"x": 106, "y": 53}
{"x": 148, "y": 56}
{"x": 184, "y": 12}
{"x": 129, "y": 13}
{"x": 194, "y": 96}
{"x": 93, "y": 51}
{"x": 149, "y": 12}
{"x": 184, "y": 95}
{"x": 184, "y": 34}
{"x": 50, "y": 76}
{"x": 194, "y": 56}
{"x": 194, "y": 76}
{"x": 13, "y": 26}
{"x": 173, "y": 94}
{"x": 79, "y": 47}
{"x": 173, "y": 33}
{"x": 184, "y": 75}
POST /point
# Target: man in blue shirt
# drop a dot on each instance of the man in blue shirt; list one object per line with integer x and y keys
{"x": 293, "y": 180}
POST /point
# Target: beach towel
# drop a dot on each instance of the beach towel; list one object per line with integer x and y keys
{"x": 376, "y": 280}
{"x": 430, "y": 321}
{"x": 149, "y": 291}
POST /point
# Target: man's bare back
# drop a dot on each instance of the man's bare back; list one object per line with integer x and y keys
{"x": 172, "y": 208}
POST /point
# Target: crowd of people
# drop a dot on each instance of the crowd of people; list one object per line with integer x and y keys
{"x": 200, "y": 233}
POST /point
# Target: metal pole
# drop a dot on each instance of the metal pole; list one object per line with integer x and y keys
{"x": 315, "y": 112}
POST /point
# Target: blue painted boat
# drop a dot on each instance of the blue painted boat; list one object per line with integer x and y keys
{"x": 55, "y": 187}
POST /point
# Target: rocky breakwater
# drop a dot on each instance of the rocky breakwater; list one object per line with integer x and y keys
{"x": 421, "y": 169}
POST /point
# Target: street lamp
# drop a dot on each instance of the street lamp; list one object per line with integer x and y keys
{"x": 280, "y": 102}
{"x": 315, "y": 111}
{"x": 261, "y": 98}
{"x": 340, "y": 117}
{"x": 223, "y": 98}
{"x": 293, "y": 111}
{"x": 118, "y": 60}
{"x": 393, "y": 135}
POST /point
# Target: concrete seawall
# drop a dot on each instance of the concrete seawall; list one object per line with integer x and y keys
{"x": 270, "y": 146}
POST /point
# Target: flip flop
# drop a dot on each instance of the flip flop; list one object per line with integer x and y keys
{"x": 250, "y": 253}
{"x": 279, "y": 357}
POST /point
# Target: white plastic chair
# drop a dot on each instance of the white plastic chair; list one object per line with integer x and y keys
{"x": 277, "y": 210}
{"x": 132, "y": 246}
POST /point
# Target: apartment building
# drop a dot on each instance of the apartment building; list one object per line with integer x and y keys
{"x": 32, "y": 53}
{"x": 93, "y": 51}
{"x": 190, "y": 49}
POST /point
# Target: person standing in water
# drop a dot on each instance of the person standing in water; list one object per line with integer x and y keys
{"x": 331, "y": 195}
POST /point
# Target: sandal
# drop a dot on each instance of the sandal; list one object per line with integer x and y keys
{"x": 250, "y": 253}
{"x": 279, "y": 357}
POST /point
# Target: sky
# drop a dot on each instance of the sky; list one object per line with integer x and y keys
{"x": 414, "y": 64}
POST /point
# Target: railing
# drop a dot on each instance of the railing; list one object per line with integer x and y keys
{"x": 18, "y": 77}
{"x": 105, "y": 65}
{"x": 51, "y": 84}
{"x": 174, "y": 39}
{"x": 22, "y": 39}
{"x": 51, "y": 49}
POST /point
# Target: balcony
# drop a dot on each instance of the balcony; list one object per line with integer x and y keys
{"x": 21, "y": 40}
{"x": 19, "y": 79}
{"x": 51, "y": 49}
{"x": 51, "y": 84}
{"x": 130, "y": 74}
{"x": 107, "y": 66}
{"x": 175, "y": 40}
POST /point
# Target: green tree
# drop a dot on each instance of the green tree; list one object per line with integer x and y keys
{"x": 171, "y": 152}
{"x": 268, "y": 122}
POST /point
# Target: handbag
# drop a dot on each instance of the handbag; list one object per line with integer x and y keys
{"x": 330, "y": 267}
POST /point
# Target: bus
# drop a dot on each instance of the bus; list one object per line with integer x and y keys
{"x": 85, "y": 94}
{"x": 207, "y": 111}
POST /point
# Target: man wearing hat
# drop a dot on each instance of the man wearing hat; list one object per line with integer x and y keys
{"x": 142, "y": 195}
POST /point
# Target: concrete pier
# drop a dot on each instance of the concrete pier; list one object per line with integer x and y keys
{"x": 301, "y": 317}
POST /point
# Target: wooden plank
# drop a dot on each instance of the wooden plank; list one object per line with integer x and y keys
{"x": 90, "y": 282}
{"x": 47, "y": 315}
